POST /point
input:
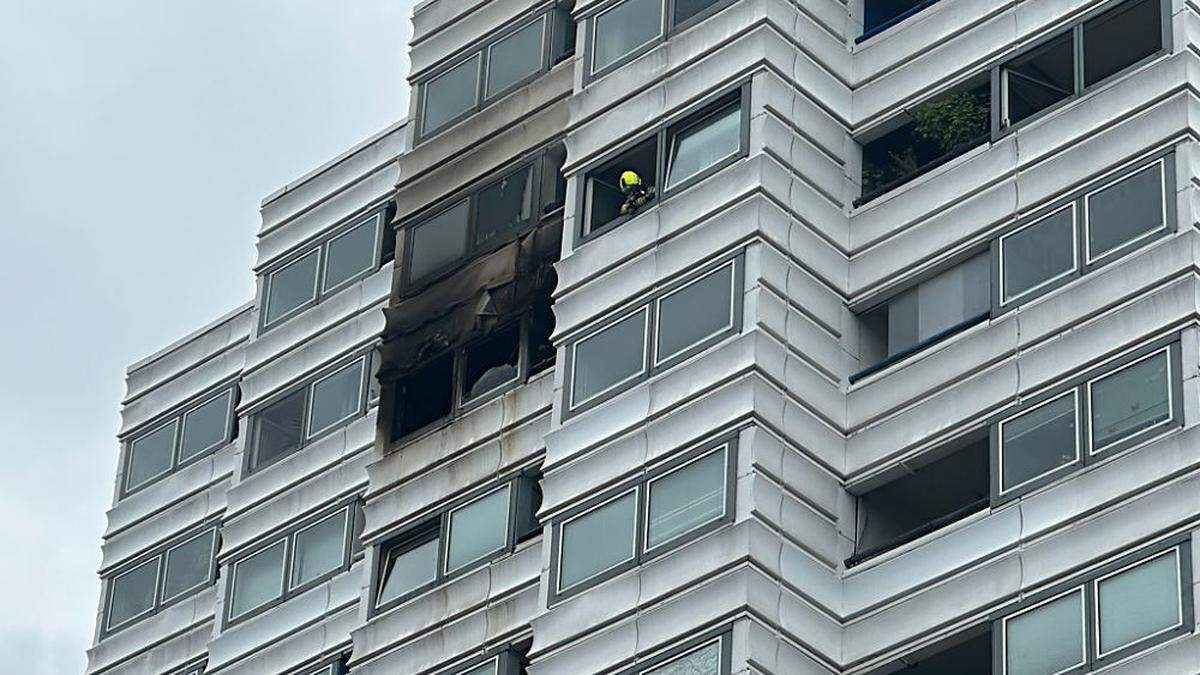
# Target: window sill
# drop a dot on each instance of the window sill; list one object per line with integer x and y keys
{"x": 903, "y": 541}
{"x": 924, "y": 538}
{"x": 926, "y": 169}
{"x": 900, "y": 357}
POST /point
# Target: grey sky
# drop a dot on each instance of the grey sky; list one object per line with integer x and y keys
{"x": 136, "y": 140}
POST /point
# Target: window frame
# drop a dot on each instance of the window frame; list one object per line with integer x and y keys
{"x": 662, "y": 135}
{"x": 722, "y": 635}
{"x": 507, "y": 658}
{"x": 286, "y": 535}
{"x": 639, "y": 486}
{"x": 1042, "y": 286}
{"x": 1166, "y": 211}
{"x": 251, "y": 464}
{"x": 1077, "y": 387}
{"x": 649, "y": 304}
{"x": 521, "y": 522}
{"x": 1078, "y": 667}
{"x": 894, "y": 21}
{"x": 558, "y": 28}
{"x": 158, "y": 556}
{"x": 320, "y": 246}
{"x": 1087, "y": 584}
{"x": 539, "y": 164}
{"x": 667, "y": 29}
{"x": 178, "y": 417}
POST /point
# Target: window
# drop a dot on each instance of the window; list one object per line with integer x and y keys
{"x": 507, "y": 662}
{"x": 1120, "y": 38}
{"x": 1126, "y": 211}
{"x": 686, "y": 318}
{"x": 926, "y": 313}
{"x": 658, "y": 512}
{"x": 197, "y": 430}
{"x": 1123, "y": 608}
{"x": 493, "y": 69}
{"x": 328, "y": 266}
{"x": 627, "y": 29}
{"x": 879, "y": 15}
{"x": 286, "y": 425}
{"x": 1038, "y": 80}
{"x": 1038, "y": 254}
{"x": 291, "y": 562}
{"x": 465, "y": 536}
{"x": 176, "y": 570}
{"x": 482, "y": 220}
{"x": 929, "y": 492}
{"x": 966, "y": 652}
{"x": 1130, "y": 400}
{"x": 454, "y": 381}
{"x": 710, "y": 655}
{"x": 672, "y": 159}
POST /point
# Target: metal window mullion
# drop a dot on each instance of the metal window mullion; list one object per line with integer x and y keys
{"x": 1078, "y": 54}
{"x": 481, "y": 77}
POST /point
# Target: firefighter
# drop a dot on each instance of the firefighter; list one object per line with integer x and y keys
{"x": 635, "y": 191}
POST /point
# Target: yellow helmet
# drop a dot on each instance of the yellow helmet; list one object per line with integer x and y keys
{"x": 629, "y": 179}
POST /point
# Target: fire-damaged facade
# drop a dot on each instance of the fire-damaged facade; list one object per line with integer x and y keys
{"x": 701, "y": 337}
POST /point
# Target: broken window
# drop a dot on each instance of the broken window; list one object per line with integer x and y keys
{"x": 929, "y": 312}
{"x": 932, "y": 491}
{"x": 1039, "y": 79}
{"x": 1120, "y": 38}
{"x": 424, "y": 396}
{"x": 491, "y": 363}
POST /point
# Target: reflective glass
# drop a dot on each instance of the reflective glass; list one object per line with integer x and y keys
{"x": 686, "y": 498}
{"x": 319, "y": 549}
{"x": 697, "y": 311}
{"x": 686, "y": 9}
{"x": 408, "y": 570}
{"x": 292, "y": 286}
{"x": 133, "y": 593}
{"x": 477, "y": 529}
{"x": 205, "y": 427}
{"x": 1130, "y": 400}
{"x": 188, "y": 565}
{"x": 1038, "y": 253}
{"x": 451, "y": 94}
{"x": 515, "y": 57}
{"x": 1038, "y": 441}
{"x": 703, "y": 661}
{"x": 279, "y": 428}
{"x": 623, "y": 29}
{"x": 488, "y": 668}
{"x": 351, "y": 254}
{"x": 1120, "y": 38}
{"x": 258, "y": 579}
{"x": 598, "y": 540}
{"x": 1139, "y": 602}
{"x": 1122, "y": 212}
{"x": 151, "y": 455}
{"x": 439, "y": 241}
{"x": 696, "y": 148}
{"x": 609, "y": 357}
{"x": 335, "y": 398}
{"x": 1047, "y": 639}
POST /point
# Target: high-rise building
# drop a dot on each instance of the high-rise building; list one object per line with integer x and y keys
{"x": 885, "y": 358}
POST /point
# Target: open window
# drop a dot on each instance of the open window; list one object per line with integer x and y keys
{"x": 967, "y": 652}
{"x": 1038, "y": 80}
{"x": 1121, "y": 37}
{"x": 602, "y": 192}
{"x": 925, "y": 494}
{"x": 879, "y": 15}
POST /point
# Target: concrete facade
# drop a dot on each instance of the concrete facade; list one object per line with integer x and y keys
{"x": 813, "y": 429}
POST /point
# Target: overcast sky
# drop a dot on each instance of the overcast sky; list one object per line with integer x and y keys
{"x": 137, "y": 138}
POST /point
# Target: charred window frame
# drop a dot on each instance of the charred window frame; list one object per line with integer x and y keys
{"x": 321, "y": 255}
{"x": 653, "y": 358}
{"x": 597, "y": 191}
{"x": 546, "y": 193}
{"x": 926, "y": 135}
{"x": 669, "y": 17}
{"x": 202, "y": 539}
{"x": 557, "y": 44}
{"x": 880, "y": 15}
{"x": 302, "y": 396}
{"x": 442, "y": 384}
{"x": 1077, "y": 399}
{"x": 349, "y": 511}
{"x": 1086, "y": 591}
{"x": 523, "y": 496}
{"x": 181, "y": 425}
{"x": 640, "y": 490}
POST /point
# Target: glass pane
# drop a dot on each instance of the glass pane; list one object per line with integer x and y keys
{"x": 319, "y": 549}
{"x": 623, "y": 29}
{"x": 1047, "y": 639}
{"x": 686, "y": 498}
{"x": 1130, "y": 400}
{"x": 451, "y": 94}
{"x": 699, "y": 147}
{"x": 488, "y": 668}
{"x": 205, "y": 427}
{"x": 279, "y": 429}
{"x": 492, "y": 362}
{"x": 703, "y": 661}
{"x": 439, "y": 241}
{"x": 336, "y": 398}
{"x": 291, "y": 287}
{"x": 150, "y": 456}
{"x": 696, "y": 311}
{"x": 597, "y": 540}
{"x": 133, "y": 593}
{"x": 1038, "y": 441}
{"x": 1040, "y": 79}
{"x": 1038, "y": 253}
{"x": 409, "y": 570}
{"x": 503, "y": 206}
{"x": 1123, "y": 212}
{"x": 878, "y": 12}
{"x": 258, "y": 579}
{"x": 351, "y": 254}
{"x": 609, "y": 357}
{"x": 188, "y": 565}
{"x": 515, "y": 57}
{"x": 1139, "y": 602}
{"x": 1120, "y": 38}
{"x": 686, "y": 9}
{"x": 477, "y": 529}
